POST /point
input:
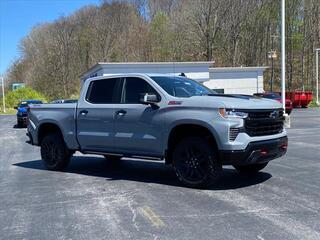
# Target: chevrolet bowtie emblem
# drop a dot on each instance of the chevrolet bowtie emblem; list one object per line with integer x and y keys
{"x": 274, "y": 114}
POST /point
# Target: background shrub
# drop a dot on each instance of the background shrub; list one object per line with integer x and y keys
{"x": 14, "y": 97}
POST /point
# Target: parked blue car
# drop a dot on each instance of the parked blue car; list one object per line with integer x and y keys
{"x": 22, "y": 113}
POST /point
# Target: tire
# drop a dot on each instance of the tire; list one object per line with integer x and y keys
{"x": 250, "y": 169}
{"x": 19, "y": 124}
{"x": 112, "y": 157}
{"x": 54, "y": 153}
{"x": 196, "y": 163}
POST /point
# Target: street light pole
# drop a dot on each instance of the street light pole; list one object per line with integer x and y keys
{"x": 273, "y": 56}
{"x": 283, "y": 54}
{"x": 3, "y": 100}
{"x": 317, "y": 75}
{"x": 272, "y": 75}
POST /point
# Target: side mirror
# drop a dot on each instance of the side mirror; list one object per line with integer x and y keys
{"x": 151, "y": 99}
{"x": 16, "y": 107}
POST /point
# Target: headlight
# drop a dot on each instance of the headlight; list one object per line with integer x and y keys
{"x": 232, "y": 113}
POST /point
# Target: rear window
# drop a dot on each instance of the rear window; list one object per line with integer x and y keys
{"x": 101, "y": 91}
{"x": 22, "y": 105}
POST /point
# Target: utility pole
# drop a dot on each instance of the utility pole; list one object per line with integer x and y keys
{"x": 272, "y": 75}
{"x": 287, "y": 122}
{"x": 283, "y": 55}
{"x": 317, "y": 75}
{"x": 3, "y": 100}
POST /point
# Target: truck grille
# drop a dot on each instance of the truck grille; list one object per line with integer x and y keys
{"x": 264, "y": 122}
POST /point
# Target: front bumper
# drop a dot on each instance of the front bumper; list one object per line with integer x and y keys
{"x": 255, "y": 152}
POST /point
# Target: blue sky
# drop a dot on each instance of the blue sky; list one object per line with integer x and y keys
{"x": 17, "y": 17}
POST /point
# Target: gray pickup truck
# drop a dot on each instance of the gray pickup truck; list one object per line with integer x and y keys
{"x": 171, "y": 118}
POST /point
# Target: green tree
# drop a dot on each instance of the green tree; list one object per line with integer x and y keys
{"x": 160, "y": 37}
{"x": 16, "y": 96}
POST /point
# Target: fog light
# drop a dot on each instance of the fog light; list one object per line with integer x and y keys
{"x": 263, "y": 152}
{"x": 284, "y": 146}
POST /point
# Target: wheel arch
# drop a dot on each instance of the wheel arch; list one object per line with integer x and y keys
{"x": 180, "y": 131}
{"x": 47, "y": 128}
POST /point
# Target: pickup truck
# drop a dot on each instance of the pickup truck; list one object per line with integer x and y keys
{"x": 170, "y": 118}
{"x": 22, "y": 112}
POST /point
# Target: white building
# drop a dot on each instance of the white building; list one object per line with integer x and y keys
{"x": 196, "y": 70}
{"x": 241, "y": 80}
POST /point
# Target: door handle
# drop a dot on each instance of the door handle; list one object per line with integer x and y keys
{"x": 83, "y": 112}
{"x": 121, "y": 112}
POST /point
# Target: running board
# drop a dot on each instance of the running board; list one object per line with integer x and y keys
{"x": 124, "y": 155}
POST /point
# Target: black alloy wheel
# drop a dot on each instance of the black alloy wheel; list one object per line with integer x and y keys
{"x": 196, "y": 163}
{"x": 54, "y": 153}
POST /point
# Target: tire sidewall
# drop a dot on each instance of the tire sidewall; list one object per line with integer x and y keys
{"x": 214, "y": 166}
{"x": 63, "y": 155}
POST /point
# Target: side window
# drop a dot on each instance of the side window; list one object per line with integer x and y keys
{"x": 133, "y": 89}
{"x": 101, "y": 91}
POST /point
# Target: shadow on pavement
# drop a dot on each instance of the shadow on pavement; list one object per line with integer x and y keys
{"x": 145, "y": 171}
{"x": 19, "y": 127}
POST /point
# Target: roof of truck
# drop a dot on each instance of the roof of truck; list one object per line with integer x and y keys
{"x": 133, "y": 75}
{"x": 117, "y": 75}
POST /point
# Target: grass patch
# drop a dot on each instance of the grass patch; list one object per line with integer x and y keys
{"x": 313, "y": 103}
{"x": 8, "y": 111}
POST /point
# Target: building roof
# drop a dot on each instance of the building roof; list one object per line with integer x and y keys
{"x": 237, "y": 69}
{"x": 147, "y": 64}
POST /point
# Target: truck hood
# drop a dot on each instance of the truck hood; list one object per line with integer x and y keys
{"x": 236, "y": 101}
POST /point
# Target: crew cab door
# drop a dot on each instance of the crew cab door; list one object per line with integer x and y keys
{"x": 95, "y": 115}
{"x": 138, "y": 127}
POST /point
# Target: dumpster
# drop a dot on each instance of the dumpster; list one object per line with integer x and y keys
{"x": 300, "y": 98}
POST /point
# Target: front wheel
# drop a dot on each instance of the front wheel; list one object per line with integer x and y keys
{"x": 196, "y": 163}
{"x": 54, "y": 152}
{"x": 250, "y": 169}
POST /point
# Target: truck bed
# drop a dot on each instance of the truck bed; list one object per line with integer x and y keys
{"x": 61, "y": 114}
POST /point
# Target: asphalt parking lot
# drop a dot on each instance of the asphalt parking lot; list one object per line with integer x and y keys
{"x": 131, "y": 199}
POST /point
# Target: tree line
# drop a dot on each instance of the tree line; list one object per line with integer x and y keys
{"x": 229, "y": 32}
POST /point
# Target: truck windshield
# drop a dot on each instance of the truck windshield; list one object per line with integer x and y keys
{"x": 181, "y": 86}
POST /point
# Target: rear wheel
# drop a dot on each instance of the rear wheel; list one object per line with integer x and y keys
{"x": 250, "y": 169}
{"x": 196, "y": 163}
{"x": 54, "y": 152}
